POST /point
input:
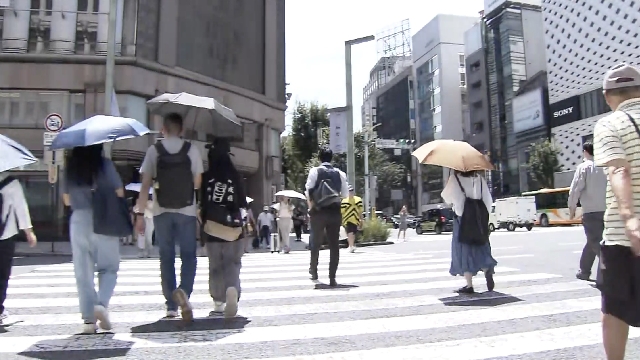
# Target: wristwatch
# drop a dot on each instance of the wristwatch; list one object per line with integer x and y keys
{"x": 137, "y": 211}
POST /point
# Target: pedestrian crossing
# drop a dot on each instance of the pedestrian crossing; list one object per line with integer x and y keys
{"x": 390, "y": 305}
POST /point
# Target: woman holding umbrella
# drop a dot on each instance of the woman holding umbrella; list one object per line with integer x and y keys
{"x": 470, "y": 197}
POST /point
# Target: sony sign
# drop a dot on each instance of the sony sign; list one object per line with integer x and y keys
{"x": 563, "y": 112}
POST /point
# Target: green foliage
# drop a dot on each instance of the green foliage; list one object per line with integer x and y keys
{"x": 375, "y": 230}
{"x": 543, "y": 162}
{"x": 389, "y": 174}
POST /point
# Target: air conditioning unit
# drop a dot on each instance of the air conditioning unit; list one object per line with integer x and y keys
{"x": 5, "y": 4}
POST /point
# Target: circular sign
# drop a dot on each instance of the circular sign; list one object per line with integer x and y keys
{"x": 53, "y": 123}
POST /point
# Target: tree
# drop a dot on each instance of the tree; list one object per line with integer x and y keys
{"x": 389, "y": 174}
{"x": 302, "y": 144}
{"x": 543, "y": 162}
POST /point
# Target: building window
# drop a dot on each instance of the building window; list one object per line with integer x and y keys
{"x": 274, "y": 142}
{"x": 463, "y": 80}
{"x": 28, "y": 109}
{"x": 433, "y": 64}
{"x": 461, "y": 60}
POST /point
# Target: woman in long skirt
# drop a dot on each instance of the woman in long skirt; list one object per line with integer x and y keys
{"x": 467, "y": 260}
{"x": 402, "y": 223}
{"x": 91, "y": 252}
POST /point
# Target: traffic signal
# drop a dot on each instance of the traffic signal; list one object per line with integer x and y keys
{"x": 404, "y": 143}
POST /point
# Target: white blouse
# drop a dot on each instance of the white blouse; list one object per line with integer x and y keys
{"x": 473, "y": 186}
{"x": 285, "y": 210}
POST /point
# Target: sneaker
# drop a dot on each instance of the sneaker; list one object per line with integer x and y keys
{"x": 102, "y": 315}
{"x": 231, "y": 307}
{"x": 218, "y": 307}
{"x": 172, "y": 314}
{"x": 286, "y": 249}
{"x": 180, "y": 297}
{"x": 314, "y": 274}
{"x": 333, "y": 282}
{"x": 3, "y": 317}
{"x": 89, "y": 328}
{"x": 352, "y": 249}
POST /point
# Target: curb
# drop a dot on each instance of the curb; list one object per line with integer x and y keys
{"x": 39, "y": 254}
{"x": 375, "y": 243}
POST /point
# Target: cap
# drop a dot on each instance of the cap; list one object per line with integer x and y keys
{"x": 621, "y": 76}
{"x": 350, "y": 187}
{"x": 265, "y": 208}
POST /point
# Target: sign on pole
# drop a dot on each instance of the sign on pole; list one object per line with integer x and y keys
{"x": 53, "y": 123}
{"x": 338, "y": 132}
{"x": 47, "y": 138}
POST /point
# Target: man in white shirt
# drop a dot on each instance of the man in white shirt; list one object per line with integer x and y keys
{"x": 265, "y": 222}
{"x": 14, "y": 216}
{"x": 325, "y": 188}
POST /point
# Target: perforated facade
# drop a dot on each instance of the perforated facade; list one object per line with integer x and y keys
{"x": 585, "y": 38}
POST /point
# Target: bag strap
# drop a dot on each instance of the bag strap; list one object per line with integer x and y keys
{"x": 160, "y": 149}
{"x": 459, "y": 183}
{"x": 635, "y": 125}
{"x": 185, "y": 148}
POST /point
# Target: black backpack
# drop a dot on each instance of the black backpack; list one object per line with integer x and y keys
{"x": 474, "y": 222}
{"x": 5, "y": 219}
{"x": 220, "y": 200}
{"x": 326, "y": 193}
{"x": 174, "y": 178}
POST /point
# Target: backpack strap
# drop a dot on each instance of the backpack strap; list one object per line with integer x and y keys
{"x": 635, "y": 125}
{"x": 185, "y": 148}
{"x": 9, "y": 179}
{"x": 160, "y": 149}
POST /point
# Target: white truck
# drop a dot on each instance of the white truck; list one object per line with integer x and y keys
{"x": 515, "y": 212}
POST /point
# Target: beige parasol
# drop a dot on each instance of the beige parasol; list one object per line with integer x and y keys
{"x": 457, "y": 155}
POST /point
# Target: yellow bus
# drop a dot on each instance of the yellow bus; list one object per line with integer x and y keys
{"x": 552, "y": 207}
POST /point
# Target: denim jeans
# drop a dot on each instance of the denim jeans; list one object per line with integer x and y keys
{"x": 172, "y": 229}
{"x": 93, "y": 253}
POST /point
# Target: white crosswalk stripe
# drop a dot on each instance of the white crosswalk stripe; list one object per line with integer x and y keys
{"x": 398, "y": 306}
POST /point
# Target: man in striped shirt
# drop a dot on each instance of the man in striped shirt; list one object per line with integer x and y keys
{"x": 617, "y": 147}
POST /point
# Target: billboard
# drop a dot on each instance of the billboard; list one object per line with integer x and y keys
{"x": 528, "y": 111}
{"x": 565, "y": 111}
{"x": 490, "y": 5}
{"x": 338, "y": 132}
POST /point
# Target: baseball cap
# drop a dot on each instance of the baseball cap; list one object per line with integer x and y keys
{"x": 621, "y": 76}
{"x": 350, "y": 187}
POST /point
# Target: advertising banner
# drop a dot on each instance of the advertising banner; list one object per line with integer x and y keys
{"x": 528, "y": 111}
{"x": 338, "y": 132}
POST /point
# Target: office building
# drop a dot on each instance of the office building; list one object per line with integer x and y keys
{"x": 583, "y": 40}
{"x": 514, "y": 48}
{"x": 52, "y": 62}
{"x": 478, "y": 134}
{"x": 440, "y": 93}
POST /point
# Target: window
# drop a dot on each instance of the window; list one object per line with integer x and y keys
{"x": 274, "y": 143}
{"x": 461, "y": 60}
{"x": 433, "y": 64}
{"x": 463, "y": 80}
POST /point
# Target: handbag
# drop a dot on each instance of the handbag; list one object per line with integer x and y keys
{"x": 110, "y": 212}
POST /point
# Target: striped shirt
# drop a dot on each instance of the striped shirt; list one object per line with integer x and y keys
{"x": 351, "y": 209}
{"x": 615, "y": 137}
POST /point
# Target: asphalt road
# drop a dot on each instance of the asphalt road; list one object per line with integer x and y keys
{"x": 397, "y": 304}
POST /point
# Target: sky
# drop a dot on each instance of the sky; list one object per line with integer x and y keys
{"x": 317, "y": 29}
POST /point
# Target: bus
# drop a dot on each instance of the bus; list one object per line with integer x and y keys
{"x": 552, "y": 208}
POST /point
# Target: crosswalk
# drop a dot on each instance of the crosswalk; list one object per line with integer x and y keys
{"x": 398, "y": 306}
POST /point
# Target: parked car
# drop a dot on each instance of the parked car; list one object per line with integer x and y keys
{"x": 436, "y": 220}
{"x": 411, "y": 221}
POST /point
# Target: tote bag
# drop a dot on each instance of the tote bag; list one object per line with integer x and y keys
{"x": 110, "y": 212}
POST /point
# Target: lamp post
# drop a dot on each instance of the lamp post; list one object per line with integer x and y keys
{"x": 110, "y": 65}
{"x": 351, "y": 159}
{"x": 367, "y": 129}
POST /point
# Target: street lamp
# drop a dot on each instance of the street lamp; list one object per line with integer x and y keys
{"x": 351, "y": 159}
{"x": 110, "y": 66}
{"x": 367, "y": 130}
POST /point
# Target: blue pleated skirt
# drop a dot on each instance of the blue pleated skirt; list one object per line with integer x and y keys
{"x": 469, "y": 258}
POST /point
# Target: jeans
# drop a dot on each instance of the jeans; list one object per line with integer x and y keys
{"x": 225, "y": 262}
{"x": 172, "y": 229}
{"x": 7, "y": 250}
{"x": 265, "y": 234}
{"x": 93, "y": 253}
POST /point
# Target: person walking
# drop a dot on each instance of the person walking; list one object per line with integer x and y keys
{"x": 265, "y": 223}
{"x": 468, "y": 259}
{"x": 145, "y": 240}
{"x": 14, "y": 218}
{"x": 402, "y": 223}
{"x": 174, "y": 168}
{"x": 351, "y": 209}
{"x": 589, "y": 187}
{"x": 285, "y": 213}
{"x": 616, "y": 140}
{"x": 298, "y": 223}
{"x": 325, "y": 187}
{"x": 222, "y": 199}
{"x": 86, "y": 170}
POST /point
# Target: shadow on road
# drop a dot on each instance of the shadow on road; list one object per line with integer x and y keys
{"x": 487, "y": 299}
{"x": 322, "y": 286}
{"x": 40, "y": 260}
{"x": 80, "y": 347}
{"x": 202, "y": 324}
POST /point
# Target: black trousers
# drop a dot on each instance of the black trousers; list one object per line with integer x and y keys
{"x": 7, "y": 250}
{"x": 298, "y": 230}
{"x": 620, "y": 283}
{"x": 325, "y": 222}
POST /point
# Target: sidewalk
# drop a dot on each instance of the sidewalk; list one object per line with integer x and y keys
{"x": 126, "y": 251}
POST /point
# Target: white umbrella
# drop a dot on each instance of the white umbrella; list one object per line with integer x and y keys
{"x": 201, "y": 114}
{"x": 136, "y": 187}
{"x": 291, "y": 194}
{"x": 249, "y": 200}
{"x": 276, "y": 206}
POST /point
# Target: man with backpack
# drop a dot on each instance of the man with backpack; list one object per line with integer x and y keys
{"x": 14, "y": 216}
{"x": 174, "y": 168}
{"x": 325, "y": 188}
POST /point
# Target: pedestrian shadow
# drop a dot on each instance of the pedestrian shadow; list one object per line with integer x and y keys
{"x": 486, "y": 299}
{"x": 85, "y": 347}
{"x": 40, "y": 260}
{"x": 202, "y": 330}
{"x": 322, "y": 286}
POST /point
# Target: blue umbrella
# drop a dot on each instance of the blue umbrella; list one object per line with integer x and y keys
{"x": 98, "y": 129}
{"x": 13, "y": 155}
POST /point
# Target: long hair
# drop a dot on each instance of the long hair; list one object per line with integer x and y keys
{"x": 83, "y": 163}
{"x": 467, "y": 173}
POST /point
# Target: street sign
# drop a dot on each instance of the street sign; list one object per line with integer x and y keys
{"x": 47, "y": 137}
{"x": 53, "y": 123}
{"x": 386, "y": 144}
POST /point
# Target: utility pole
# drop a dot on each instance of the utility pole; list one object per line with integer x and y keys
{"x": 110, "y": 65}
{"x": 351, "y": 158}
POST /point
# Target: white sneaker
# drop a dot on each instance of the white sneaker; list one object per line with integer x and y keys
{"x": 352, "y": 249}
{"x": 231, "y": 308}
{"x": 172, "y": 314}
{"x": 3, "y": 317}
{"x": 102, "y": 315}
{"x": 89, "y": 328}
{"x": 218, "y": 307}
